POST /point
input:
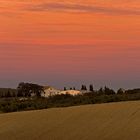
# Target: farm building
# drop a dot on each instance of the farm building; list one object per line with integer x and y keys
{"x": 71, "y": 92}
{"x": 50, "y": 91}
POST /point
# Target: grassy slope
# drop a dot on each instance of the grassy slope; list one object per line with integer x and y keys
{"x": 114, "y": 121}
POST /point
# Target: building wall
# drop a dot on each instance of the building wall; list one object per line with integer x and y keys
{"x": 71, "y": 92}
{"x": 50, "y": 92}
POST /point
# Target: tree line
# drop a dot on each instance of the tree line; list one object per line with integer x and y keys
{"x": 30, "y": 89}
{"x": 23, "y": 90}
{"x": 14, "y": 104}
{"x": 11, "y": 101}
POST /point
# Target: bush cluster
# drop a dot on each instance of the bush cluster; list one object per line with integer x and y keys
{"x": 34, "y": 103}
{"x": 12, "y": 100}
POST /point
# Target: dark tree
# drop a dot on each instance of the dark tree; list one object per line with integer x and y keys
{"x": 65, "y": 88}
{"x": 91, "y": 88}
{"x": 108, "y": 91}
{"x": 83, "y": 87}
{"x": 120, "y": 91}
{"x": 101, "y": 91}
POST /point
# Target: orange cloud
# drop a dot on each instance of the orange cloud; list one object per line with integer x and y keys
{"x": 82, "y": 8}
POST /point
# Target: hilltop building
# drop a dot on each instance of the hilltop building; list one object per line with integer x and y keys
{"x": 50, "y": 91}
{"x": 71, "y": 92}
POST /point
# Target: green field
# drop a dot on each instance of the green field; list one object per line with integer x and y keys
{"x": 112, "y": 121}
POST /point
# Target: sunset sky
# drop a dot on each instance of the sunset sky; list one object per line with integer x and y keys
{"x": 70, "y": 42}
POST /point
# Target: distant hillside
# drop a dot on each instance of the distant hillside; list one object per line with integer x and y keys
{"x": 113, "y": 121}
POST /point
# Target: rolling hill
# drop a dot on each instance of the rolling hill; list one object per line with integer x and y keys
{"x": 112, "y": 121}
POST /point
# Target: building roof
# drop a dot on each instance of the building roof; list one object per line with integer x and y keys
{"x": 49, "y": 87}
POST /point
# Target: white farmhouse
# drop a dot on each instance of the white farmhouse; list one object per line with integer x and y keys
{"x": 50, "y": 91}
{"x": 71, "y": 92}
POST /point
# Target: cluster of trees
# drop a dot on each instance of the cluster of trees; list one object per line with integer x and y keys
{"x": 104, "y": 90}
{"x": 29, "y": 89}
{"x": 14, "y": 104}
{"x": 83, "y": 87}
{"x": 132, "y": 91}
{"x": 23, "y": 90}
{"x": 69, "y": 88}
{"x": 103, "y": 95}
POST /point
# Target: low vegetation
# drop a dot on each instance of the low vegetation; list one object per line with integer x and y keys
{"x": 12, "y": 100}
